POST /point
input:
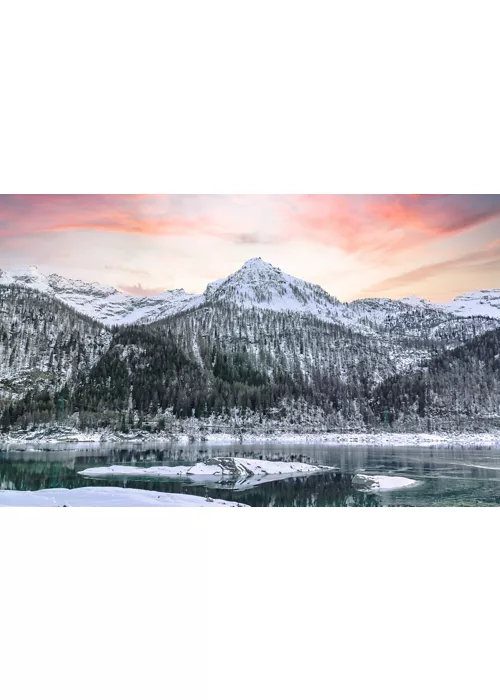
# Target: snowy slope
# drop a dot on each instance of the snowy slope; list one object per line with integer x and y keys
{"x": 485, "y": 302}
{"x": 104, "y": 304}
{"x": 418, "y": 302}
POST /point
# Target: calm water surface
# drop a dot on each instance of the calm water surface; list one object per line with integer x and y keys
{"x": 447, "y": 476}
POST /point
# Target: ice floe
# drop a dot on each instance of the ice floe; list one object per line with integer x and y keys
{"x": 382, "y": 482}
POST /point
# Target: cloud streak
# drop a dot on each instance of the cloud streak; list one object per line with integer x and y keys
{"x": 149, "y": 215}
{"x": 480, "y": 260}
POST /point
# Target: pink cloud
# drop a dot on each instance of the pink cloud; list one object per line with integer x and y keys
{"x": 134, "y": 214}
{"x": 388, "y": 223}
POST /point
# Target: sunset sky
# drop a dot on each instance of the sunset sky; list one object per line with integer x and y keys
{"x": 434, "y": 246}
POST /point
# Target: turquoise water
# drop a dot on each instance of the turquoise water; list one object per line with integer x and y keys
{"x": 446, "y": 476}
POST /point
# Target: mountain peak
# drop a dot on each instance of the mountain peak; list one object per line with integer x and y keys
{"x": 27, "y": 275}
{"x": 258, "y": 265}
{"x": 257, "y": 261}
{"x": 258, "y": 284}
{"x": 31, "y": 271}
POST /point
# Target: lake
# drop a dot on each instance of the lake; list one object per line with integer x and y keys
{"x": 448, "y": 476}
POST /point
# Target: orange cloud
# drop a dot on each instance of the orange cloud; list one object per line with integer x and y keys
{"x": 478, "y": 261}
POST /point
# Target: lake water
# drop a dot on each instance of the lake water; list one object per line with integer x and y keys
{"x": 447, "y": 476}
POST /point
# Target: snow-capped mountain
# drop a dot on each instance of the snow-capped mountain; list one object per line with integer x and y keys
{"x": 259, "y": 343}
{"x": 257, "y": 285}
{"x": 260, "y": 285}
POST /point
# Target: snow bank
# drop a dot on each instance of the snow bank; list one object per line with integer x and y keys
{"x": 369, "y": 439}
{"x": 106, "y": 496}
{"x": 381, "y": 482}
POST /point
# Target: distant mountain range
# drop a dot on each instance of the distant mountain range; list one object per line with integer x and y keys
{"x": 258, "y": 348}
{"x": 256, "y": 285}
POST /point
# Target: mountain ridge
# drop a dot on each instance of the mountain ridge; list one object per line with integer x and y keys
{"x": 257, "y": 284}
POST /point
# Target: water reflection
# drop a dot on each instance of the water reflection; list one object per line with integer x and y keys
{"x": 448, "y": 476}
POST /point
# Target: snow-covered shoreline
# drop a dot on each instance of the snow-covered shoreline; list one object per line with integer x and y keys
{"x": 80, "y": 440}
{"x": 368, "y": 439}
{"x": 107, "y": 496}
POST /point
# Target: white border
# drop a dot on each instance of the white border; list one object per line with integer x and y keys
{"x": 226, "y": 97}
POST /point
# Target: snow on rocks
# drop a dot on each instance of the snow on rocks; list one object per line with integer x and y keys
{"x": 107, "y": 496}
{"x": 381, "y": 482}
{"x": 236, "y": 473}
{"x": 218, "y": 466}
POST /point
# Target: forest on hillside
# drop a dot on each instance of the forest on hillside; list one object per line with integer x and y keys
{"x": 226, "y": 367}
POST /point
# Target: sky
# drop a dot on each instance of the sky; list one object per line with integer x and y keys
{"x": 354, "y": 246}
